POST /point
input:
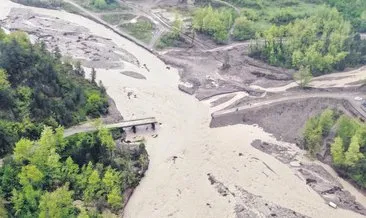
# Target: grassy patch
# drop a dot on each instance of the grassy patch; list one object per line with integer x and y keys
{"x": 116, "y": 19}
{"x": 112, "y": 7}
{"x": 71, "y": 8}
{"x": 141, "y": 30}
{"x": 168, "y": 40}
{"x": 41, "y": 4}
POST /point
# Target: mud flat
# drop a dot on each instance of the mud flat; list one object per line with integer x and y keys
{"x": 72, "y": 40}
{"x": 314, "y": 175}
{"x": 204, "y": 71}
{"x": 288, "y": 115}
{"x": 186, "y": 150}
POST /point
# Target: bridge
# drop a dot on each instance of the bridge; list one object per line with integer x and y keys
{"x": 88, "y": 127}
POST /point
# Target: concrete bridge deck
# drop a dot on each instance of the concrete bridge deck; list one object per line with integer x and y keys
{"x": 88, "y": 127}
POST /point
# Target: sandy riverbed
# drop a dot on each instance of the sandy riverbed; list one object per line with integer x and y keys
{"x": 184, "y": 186}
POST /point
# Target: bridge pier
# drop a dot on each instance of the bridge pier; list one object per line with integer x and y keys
{"x": 153, "y": 126}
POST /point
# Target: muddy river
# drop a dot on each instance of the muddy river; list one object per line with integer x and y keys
{"x": 187, "y": 154}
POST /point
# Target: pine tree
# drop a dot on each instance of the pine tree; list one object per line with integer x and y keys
{"x": 93, "y": 75}
{"x": 353, "y": 153}
{"x": 337, "y": 151}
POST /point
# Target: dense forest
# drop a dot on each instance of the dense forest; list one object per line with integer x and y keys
{"x": 315, "y": 36}
{"x": 43, "y": 174}
{"x": 349, "y": 147}
{"x": 214, "y": 22}
{"x": 79, "y": 176}
{"x": 37, "y": 89}
{"x": 322, "y": 42}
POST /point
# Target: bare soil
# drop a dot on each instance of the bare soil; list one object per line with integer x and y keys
{"x": 285, "y": 120}
{"x": 72, "y": 40}
{"x": 204, "y": 71}
{"x": 314, "y": 175}
{"x": 248, "y": 204}
{"x": 201, "y": 74}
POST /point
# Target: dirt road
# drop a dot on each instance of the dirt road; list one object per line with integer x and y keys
{"x": 196, "y": 171}
{"x": 346, "y": 96}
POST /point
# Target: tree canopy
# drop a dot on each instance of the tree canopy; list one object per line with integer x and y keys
{"x": 214, "y": 22}
{"x": 320, "y": 42}
{"x": 44, "y": 177}
{"x": 348, "y": 149}
{"x": 37, "y": 89}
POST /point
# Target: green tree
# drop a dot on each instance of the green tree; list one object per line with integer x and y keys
{"x": 3, "y": 212}
{"x": 244, "y": 29}
{"x": 115, "y": 198}
{"x": 45, "y": 156}
{"x": 93, "y": 75}
{"x": 23, "y": 150}
{"x": 23, "y": 102}
{"x": 177, "y": 26}
{"x": 319, "y": 42}
{"x": 303, "y": 76}
{"x": 57, "y": 53}
{"x": 111, "y": 179}
{"x": 26, "y": 201}
{"x": 86, "y": 171}
{"x": 30, "y": 174}
{"x": 347, "y": 128}
{"x": 70, "y": 171}
{"x": 313, "y": 136}
{"x": 78, "y": 68}
{"x": 4, "y": 83}
{"x": 101, "y": 4}
{"x": 57, "y": 204}
{"x": 83, "y": 213}
{"x": 106, "y": 139}
{"x": 92, "y": 191}
{"x": 8, "y": 180}
{"x": 215, "y": 23}
{"x": 95, "y": 104}
{"x": 353, "y": 153}
{"x": 326, "y": 121}
{"x": 337, "y": 151}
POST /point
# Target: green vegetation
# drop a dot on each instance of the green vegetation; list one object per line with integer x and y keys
{"x": 167, "y": 40}
{"x": 352, "y": 10}
{"x": 101, "y": 5}
{"x": 316, "y": 128}
{"x": 43, "y": 173}
{"x": 244, "y": 29}
{"x": 348, "y": 149}
{"x": 142, "y": 29}
{"x": 72, "y": 8}
{"x": 44, "y": 177}
{"x": 303, "y": 76}
{"x": 315, "y": 35}
{"x": 41, "y": 3}
{"x": 37, "y": 89}
{"x": 172, "y": 38}
{"x": 214, "y": 22}
{"x": 284, "y": 11}
{"x": 323, "y": 42}
{"x": 116, "y": 19}
{"x": 256, "y": 16}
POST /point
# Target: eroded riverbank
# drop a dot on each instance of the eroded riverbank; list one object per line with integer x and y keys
{"x": 187, "y": 153}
